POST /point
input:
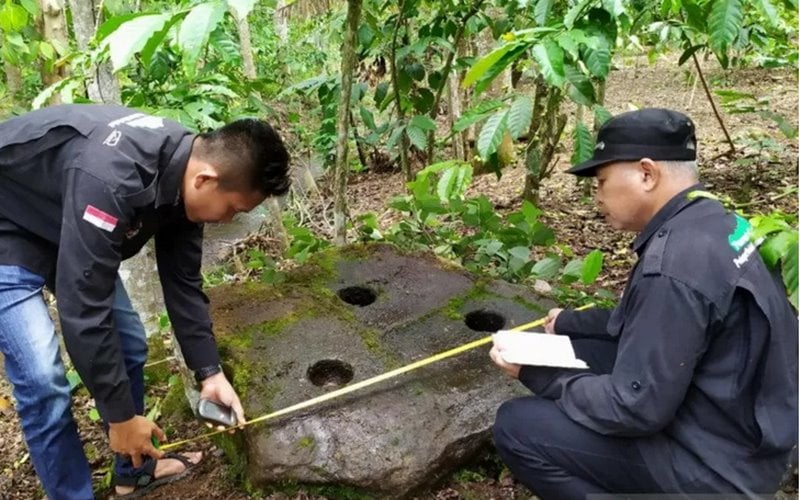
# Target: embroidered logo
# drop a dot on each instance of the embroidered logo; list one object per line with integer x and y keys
{"x": 139, "y": 120}
{"x": 113, "y": 138}
{"x": 600, "y": 145}
{"x": 97, "y": 217}
{"x": 740, "y": 241}
{"x": 741, "y": 234}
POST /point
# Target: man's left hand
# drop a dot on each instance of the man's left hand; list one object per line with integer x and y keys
{"x": 511, "y": 369}
{"x": 218, "y": 389}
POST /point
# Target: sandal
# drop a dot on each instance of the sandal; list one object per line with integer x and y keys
{"x": 146, "y": 481}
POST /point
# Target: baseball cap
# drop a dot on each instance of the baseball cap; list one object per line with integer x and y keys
{"x": 655, "y": 133}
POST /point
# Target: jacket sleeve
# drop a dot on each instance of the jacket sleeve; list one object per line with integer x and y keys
{"x": 179, "y": 256}
{"x": 583, "y": 324}
{"x": 662, "y": 339}
{"x": 93, "y": 223}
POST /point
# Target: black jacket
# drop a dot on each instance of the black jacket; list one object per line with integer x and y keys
{"x": 706, "y": 359}
{"x": 83, "y": 187}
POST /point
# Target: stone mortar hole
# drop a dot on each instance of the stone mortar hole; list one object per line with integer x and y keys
{"x": 358, "y": 295}
{"x": 484, "y": 321}
{"x": 330, "y": 373}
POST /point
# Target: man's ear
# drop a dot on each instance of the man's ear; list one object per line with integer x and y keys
{"x": 650, "y": 172}
{"x": 205, "y": 174}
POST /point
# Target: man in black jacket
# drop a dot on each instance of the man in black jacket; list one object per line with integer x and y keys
{"x": 692, "y": 386}
{"x": 83, "y": 187}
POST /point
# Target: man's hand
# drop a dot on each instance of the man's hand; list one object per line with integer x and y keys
{"x": 218, "y": 389}
{"x": 134, "y": 438}
{"x": 511, "y": 369}
{"x": 550, "y": 323}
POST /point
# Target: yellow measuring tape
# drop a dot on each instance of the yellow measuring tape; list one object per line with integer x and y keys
{"x": 360, "y": 385}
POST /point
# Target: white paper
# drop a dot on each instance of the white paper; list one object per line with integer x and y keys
{"x": 537, "y": 349}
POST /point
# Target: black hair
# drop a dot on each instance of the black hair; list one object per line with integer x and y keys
{"x": 248, "y": 155}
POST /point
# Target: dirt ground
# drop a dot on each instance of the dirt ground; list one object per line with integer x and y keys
{"x": 764, "y": 173}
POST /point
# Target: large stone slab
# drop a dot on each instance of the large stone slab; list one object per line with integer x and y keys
{"x": 288, "y": 343}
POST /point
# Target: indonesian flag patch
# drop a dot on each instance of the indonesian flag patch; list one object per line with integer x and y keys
{"x": 97, "y": 217}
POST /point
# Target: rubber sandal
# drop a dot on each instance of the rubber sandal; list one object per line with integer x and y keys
{"x": 146, "y": 482}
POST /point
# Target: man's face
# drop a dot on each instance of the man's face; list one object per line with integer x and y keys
{"x": 621, "y": 195}
{"x": 209, "y": 203}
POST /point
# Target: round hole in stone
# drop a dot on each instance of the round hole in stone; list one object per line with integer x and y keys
{"x": 330, "y": 373}
{"x": 484, "y": 321}
{"x": 358, "y": 295}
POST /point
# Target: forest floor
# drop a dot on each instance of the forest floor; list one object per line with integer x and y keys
{"x": 763, "y": 172}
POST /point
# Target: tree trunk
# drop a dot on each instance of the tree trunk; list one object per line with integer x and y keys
{"x": 547, "y": 124}
{"x": 13, "y": 79}
{"x": 275, "y": 218}
{"x": 102, "y": 86}
{"x": 246, "y": 48}
{"x": 54, "y": 31}
{"x": 454, "y": 111}
{"x": 343, "y": 122}
{"x": 281, "y": 20}
{"x": 405, "y": 165}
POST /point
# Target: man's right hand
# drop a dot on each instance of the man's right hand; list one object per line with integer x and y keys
{"x": 134, "y": 438}
{"x": 550, "y": 321}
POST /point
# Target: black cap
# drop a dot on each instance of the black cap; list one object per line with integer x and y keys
{"x": 655, "y": 133}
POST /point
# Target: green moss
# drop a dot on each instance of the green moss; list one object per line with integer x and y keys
{"x": 306, "y": 442}
{"x": 158, "y": 372}
{"x": 453, "y": 309}
{"x": 174, "y": 407}
{"x": 536, "y": 308}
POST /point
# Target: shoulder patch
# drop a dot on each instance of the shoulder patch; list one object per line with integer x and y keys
{"x": 97, "y": 217}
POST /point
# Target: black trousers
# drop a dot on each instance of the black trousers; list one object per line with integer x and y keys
{"x": 559, "y": 459}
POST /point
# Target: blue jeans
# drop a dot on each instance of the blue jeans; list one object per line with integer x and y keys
{"x": 33, "y": 366}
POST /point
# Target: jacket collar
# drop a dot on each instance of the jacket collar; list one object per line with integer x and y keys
{"x": 169, "y": 182}
{"x": 668, "y": 211}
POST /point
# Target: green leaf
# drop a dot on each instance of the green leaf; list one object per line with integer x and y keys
{"x": 31, "y": 6}
{"x": 546, "y": 268}
{"x": 601, "y": 115}
{"x": 776, "y": 247}
{"x": 194, "y": 32}
{"x": 769, "y": 11}
{"x": 423, "y": 122}
{"x": 724, "y": 23}
{"x": 155, "y": 41}
{"x": 417, "y": 136}
{"x": 482, "y": 65}
{"x": 583, "y": 143}
{"x": 541, "y": 11}
{"x": 551, "y": 62}
{"x": 13, "y": 17}
{"x": 572, "y": 271}
{"x": 789, "y": 272}
{"x": 241, "y": 8}
{"x": 519, "y": 116}
{"x": 688, "y": 53}
{"x": 454, "y": 182}
{"x": 789, "y": 131}
{"x": 131, "y": 36}
{"x": 574, "y": 12}
{"x": 475, "y": 115}
{"x": 580, "y": 88}
{"x": 73, "y": 379}
{"x": 568, "y": 42}
{"x": 367, "y": 117}
{"x": 519, "y": 256}
{"x": 592, "y": 265}
{"x": 492, "y": 133}
{"x": 614, "y": 7}
{"x": 598, "y": 61}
